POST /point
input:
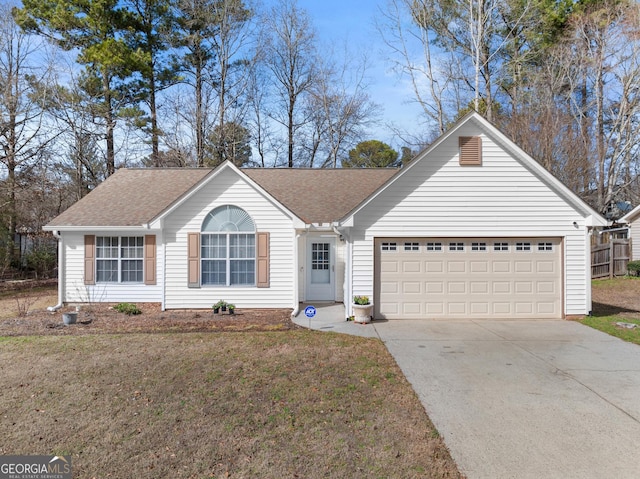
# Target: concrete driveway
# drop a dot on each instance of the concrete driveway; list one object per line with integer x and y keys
{"x": 525, "y": 399}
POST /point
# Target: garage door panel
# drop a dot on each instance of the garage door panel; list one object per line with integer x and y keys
{"x": 411, "y": 267}
{"x": 545, "y": 267}
{"x": 484, "y": 277}
{"x": 501, "y": 287}
{"x": 431, "y": 287}
{"x": 457, "y": 266}
{"x": 479, "y": 287}
{"x": 389, "y": 287}
{"x": 479, "y": 308}
{"x": 411, "y": 309}
{"x": 434, "y": 309}
{"x": 501, "y": 309}
{"x": 479, "y": 266}
{"x": 389, "y": 266}
{"x": 523, "y": 287}
{"x": 410, "y": 287}
{"x": 457, "y": 309}
{"x": 500, "y": 266}
{"x": 524, "y": 308}
{"x": 434, "y": 266}
{"x": 546, "y": 308}
{"x": 523, "y": 266}
{"x": 456, "y": 287}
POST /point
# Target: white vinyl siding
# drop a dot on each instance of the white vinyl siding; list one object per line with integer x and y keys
{"x": 439, "y": 198}
{"x": 75, "y": 291}
{"x": 634, "y": 234}
{"x": 228, "y": 188}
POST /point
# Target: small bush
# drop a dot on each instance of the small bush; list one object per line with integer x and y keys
{"x": 127, "y": 308}
{"x": 361, "y": 300}
{"x": 633, "y": 268}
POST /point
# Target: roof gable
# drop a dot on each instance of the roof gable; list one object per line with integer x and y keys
{"x": 593, "y": 217}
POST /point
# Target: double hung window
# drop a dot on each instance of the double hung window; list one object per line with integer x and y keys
{"x": 119, "y": 259}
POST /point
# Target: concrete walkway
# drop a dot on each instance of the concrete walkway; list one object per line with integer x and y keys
{"x": 519, "y": 399}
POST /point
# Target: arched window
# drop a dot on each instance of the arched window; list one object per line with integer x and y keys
{"x": 228, "y": 248}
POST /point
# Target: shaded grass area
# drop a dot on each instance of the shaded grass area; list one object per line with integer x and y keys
{"x": 616, "y": 301}
{"x": 269, "y": 405}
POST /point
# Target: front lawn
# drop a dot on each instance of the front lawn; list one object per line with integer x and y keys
{"x": 203, "y": 405}
{"x": 616, "y": 301}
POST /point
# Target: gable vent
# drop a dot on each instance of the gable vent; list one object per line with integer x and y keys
{"x": 470, "y": 150}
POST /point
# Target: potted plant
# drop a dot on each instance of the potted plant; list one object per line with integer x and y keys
{"x": 220, "y": 304}
{"x": 362, "y": 309}
{"x": 232, "y": 308}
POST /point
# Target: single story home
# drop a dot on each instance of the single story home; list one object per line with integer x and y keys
{"x": 473, "y": 227}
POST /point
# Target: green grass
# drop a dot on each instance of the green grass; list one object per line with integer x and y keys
{"x": 607, "y": 324}
{"x": 616, "y": 300}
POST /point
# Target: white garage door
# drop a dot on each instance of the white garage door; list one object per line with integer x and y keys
{"x": 468, "y": 278}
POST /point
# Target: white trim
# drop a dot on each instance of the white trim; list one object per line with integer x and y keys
{"x": 106, "y": 229}
{"x": 630, "y": 216}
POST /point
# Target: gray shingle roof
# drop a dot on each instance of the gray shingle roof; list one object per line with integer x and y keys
{"x": 133, "y": 197}
{"x": 320, "y": 195}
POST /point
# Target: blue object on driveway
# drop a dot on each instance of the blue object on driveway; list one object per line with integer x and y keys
{"x": 309, "y": 311}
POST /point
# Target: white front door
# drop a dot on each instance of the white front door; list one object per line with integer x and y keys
{"x": 320, "y": 269}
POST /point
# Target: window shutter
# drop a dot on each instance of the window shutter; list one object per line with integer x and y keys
{"x": 89, "y": 259}
{"x": 150, "y": 259}
{"x": 263, "y": 260}
{"x": 470, "y": 150}
{"x": 193, "y": 258}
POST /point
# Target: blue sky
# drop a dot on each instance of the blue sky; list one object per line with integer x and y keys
{"x": 353, "y": 22}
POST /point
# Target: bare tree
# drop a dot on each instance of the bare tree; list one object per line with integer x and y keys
{"x": 341, "y": 108}
{"x": 404, "y": 39}
{"x": 290, "y": 55}
{"x": 23, "y": 90}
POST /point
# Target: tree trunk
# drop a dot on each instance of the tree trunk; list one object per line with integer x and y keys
{"x": 199, "y": 117}
{"x": 109, "y": 119}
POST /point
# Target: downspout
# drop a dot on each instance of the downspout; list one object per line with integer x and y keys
{"x": 296, "y": 277}
{"x": 163, "y": 306}
{"x": 588, "y": 234}
{"x": 346, "y": 287}
{"x": 61, "y": 263}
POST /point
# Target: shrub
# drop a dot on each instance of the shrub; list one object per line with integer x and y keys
{"x": 633, "y": 267}
{"x": 42, "y": 260}
{"x": 127, "y": 308}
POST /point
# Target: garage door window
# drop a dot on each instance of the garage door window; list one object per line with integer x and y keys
{"x": 478, "y": 246}
{"x": 523, "y": 246}
{"x": 412, "y": 246}
{"x": 434, "y": 246}
{"x": 456, "y": 246}
{"x": 389, "y": 247}
{"x": 500, "y": 246}
{"x": 545, "y": 246}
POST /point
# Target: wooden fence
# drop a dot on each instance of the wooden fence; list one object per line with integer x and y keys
{"x": 610, "y": 259}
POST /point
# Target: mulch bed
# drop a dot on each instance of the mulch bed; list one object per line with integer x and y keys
{"x": 103, "y": 319}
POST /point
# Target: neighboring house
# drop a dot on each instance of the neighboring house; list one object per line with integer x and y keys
{"x": 632, "y": 219}
{"x": 471, "y": 228}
